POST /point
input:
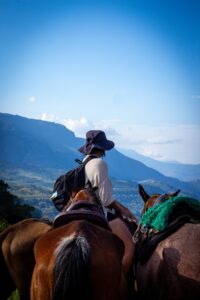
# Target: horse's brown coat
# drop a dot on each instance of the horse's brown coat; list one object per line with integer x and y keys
{"x": 173, "y": 270}
{"x": 17, "y": 256}
{"x": 106, "y": 278}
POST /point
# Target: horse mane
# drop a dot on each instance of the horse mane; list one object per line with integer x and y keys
{"x": 71, "y": 269}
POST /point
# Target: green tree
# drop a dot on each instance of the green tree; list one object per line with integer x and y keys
{"x": 11, "y": 209}
{"x": 14, "y": 296}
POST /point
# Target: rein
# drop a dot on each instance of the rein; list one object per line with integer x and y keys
{"x": 142, "y": 231}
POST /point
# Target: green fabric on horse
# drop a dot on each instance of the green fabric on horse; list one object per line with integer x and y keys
{"x": 158, "y": 216}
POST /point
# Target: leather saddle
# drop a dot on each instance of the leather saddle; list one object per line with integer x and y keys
{"x": 82, "y": 210}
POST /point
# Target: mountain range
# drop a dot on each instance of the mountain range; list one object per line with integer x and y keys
{"x": 46, "y": 144}
{"x": 185, "y": 172}
{"x": 34, "y": 144}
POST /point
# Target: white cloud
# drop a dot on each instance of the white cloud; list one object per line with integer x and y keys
{"x": 48, "y": 117}
{"x": 32, "y": 99}
{"x": 153, "y": 153}
{"x": 79, "y": 127}
{"x": 164, "y": 142}
{"x": 169, "y": 142}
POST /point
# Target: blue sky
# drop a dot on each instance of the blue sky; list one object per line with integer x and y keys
{"x": 131, "y": 68}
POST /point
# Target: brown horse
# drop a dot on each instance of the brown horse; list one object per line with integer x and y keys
{"x": 17, "y": 256}
{"x": 79, "y": 260}
{"x": 173, "y": 270}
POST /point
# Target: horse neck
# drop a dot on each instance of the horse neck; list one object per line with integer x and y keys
{"x": 86, "y": 195}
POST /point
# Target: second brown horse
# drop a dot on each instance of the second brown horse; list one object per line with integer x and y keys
{"x": 173, "y": 270}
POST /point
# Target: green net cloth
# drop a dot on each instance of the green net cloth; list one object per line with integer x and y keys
{"x": 158, "y": 216}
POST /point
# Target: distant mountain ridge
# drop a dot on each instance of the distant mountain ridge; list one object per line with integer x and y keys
{"x": 36, "y": 142}
{"x": 42, "y": 144}
{"x": 186, "y": 172}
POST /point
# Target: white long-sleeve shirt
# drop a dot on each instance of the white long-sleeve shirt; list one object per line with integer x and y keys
{"x": 96, "y": 171}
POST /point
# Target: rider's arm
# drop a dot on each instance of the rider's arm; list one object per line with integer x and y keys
{"x": 97, "y": 174}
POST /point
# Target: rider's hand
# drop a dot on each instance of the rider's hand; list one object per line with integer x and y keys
{"x": 123, "y": 211}
{"x": 127, "y": 214}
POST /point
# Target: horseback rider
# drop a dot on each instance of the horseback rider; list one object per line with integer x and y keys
{"x": 96, "y": 172}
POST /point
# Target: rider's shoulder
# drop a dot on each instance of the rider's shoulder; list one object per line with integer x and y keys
{"x": 98, "y": 162}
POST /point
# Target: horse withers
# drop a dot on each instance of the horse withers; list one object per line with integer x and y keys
{"x": 17, "y": 256}
{"x": 79, "y": 260}
{"x": 172, "y": 271}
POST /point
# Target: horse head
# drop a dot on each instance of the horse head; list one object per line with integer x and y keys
{"x": 85, "y": 194}
{"x": 154, "y": 199}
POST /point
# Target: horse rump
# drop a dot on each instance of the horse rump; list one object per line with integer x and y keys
{"x": 71, "y": 270}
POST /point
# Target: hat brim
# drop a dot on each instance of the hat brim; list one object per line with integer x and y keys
{"x": 105, "y": 145}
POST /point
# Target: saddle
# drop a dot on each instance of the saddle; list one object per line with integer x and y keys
{"x": 149, "y": 238}
{"x": 82, "y": 210}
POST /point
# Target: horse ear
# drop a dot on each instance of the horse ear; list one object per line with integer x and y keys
{"x": 142, "y": 193}
{"x": 175, "y": 194}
